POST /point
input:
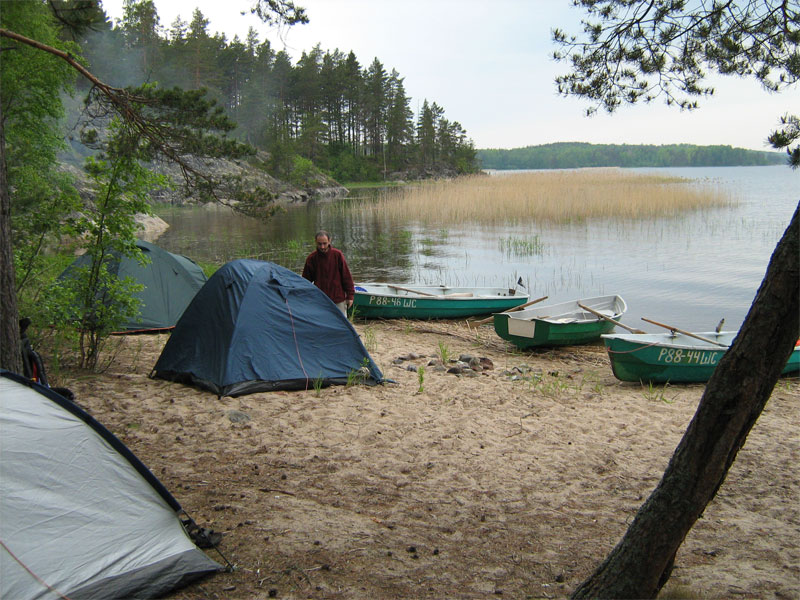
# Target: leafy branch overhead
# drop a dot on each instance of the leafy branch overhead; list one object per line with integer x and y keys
{"x": 635, "y": 51}
{"x": 181, "y": 126}
{"x": 168, "y": 124}
{"x": 276, "y": 12}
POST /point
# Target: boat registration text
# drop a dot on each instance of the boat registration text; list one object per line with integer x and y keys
{"x": 688, "y": 357}
{"x": 389, "y": 301}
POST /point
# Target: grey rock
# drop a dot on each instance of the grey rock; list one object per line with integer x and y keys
{"x": 237, "y": 416}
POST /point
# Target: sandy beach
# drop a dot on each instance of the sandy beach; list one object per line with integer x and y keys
{"x": 510, "y": 482}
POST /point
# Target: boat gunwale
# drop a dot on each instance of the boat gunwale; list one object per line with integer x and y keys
{"x": 443, "y": 296}
{"x": 666, "y": 343}
{"x": 615, "y": 300}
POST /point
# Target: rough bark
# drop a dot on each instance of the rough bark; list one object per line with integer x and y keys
{"x": 10, "y": 352}
{"x": 735, "y": 395}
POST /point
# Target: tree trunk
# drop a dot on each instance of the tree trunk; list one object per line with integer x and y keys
{"x": 734, "y": 397}
{"x": 10, "y": 351}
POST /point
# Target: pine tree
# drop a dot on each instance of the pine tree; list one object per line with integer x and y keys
{"x": 399, "y": 123}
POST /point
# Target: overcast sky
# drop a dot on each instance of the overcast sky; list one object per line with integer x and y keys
{"x": 487, "y": 63}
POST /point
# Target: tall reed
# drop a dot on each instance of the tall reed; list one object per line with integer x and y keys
{"x": 546, "y": 196}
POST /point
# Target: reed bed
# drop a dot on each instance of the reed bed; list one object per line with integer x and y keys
{"x": 546, "y": 196}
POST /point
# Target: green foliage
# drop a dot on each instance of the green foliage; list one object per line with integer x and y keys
{"x": 571, "y": 155}
{"x": 786, "y": 136}
{"x": 370, "y": 343}
{"x": 303, "y": 172}
{"x": 654, "y": 393}
{"x": 281, "y": 162}
{"x": 31, "y": 87}
{"x": 279, "y": 12}
{"x": 166, "y": 124}
{"x": 318, "y": 385}
{"x": 640, "y": 51}
{"x": 444, "y": 352}
{"x": 421, "y": 379}
{"x": 351, "y": 121}
{"x": 93, "y": 300}
{"x": 520, "y": 247}
{"x": 209, "y": 268}
{"x": 343, "y": 165}
{"x": 359, "y": 375}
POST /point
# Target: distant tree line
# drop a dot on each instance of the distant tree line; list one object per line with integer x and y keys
{"x": 570, "y": 155}
{"x": 351, "y": 121}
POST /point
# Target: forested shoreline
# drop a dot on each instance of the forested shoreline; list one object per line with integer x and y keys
{"x": 353, "y": 122}
{"x": 327, "y": 111}
{"x": 570, "y": 155}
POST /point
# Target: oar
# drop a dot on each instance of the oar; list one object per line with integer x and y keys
{"x": 516, "y": 308}
{"x": 689, "y": 333}
{"x": 405, "y": 289}
{"x": 610, "y": 320}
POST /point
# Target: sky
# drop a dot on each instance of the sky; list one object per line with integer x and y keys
{"x": 488, "y": 64}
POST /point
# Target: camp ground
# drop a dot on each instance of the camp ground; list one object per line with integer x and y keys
{"x": 256, "y": 326}
{"x": 80, "y": 515}
{"x": 170, "y": 282}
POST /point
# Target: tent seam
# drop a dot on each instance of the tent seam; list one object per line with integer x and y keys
{"x": 294, "y": 335}
{"x": 34, "y": 575}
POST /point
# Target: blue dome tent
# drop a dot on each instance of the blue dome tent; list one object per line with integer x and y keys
{"x": 256, "y": 326}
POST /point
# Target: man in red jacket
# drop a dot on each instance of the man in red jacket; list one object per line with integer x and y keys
{"x": 327, "y": 269}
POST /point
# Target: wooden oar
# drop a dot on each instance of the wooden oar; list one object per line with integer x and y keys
{"x": 516, "y": 308}
{"x": 689, "y": 333}
{"x": 405, "y": 289}
{"x": 610, "y": 320}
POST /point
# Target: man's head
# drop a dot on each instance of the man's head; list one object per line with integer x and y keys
{"x": 323, "y": 240}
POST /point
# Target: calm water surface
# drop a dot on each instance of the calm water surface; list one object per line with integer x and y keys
{"x": 689, "y": 271}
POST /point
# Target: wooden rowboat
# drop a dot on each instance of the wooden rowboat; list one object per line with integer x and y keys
{"x": 561, "y": 324}
{"x": 409, "y": 301}
{"x": 673, "y": 357}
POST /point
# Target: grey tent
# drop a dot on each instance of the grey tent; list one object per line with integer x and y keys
{"x": 80, "y": 516}
{"x": 170, "y": 282}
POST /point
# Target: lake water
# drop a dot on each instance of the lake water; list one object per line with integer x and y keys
{"x": 689, "y": 271}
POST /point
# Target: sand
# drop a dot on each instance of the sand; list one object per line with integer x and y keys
{"x": 515, "y": 482}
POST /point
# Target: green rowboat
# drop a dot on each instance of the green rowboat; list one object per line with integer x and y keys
{"x": 560, "y": 324}
{"x": 673, "y": 358}
{"x": 409, "y": 301}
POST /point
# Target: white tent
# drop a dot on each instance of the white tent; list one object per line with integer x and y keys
{"x": 80, "y": 515}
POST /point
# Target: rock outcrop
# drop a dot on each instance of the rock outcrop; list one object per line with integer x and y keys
{"x": 247, "y": 186}
{"x": 246, "y": 180}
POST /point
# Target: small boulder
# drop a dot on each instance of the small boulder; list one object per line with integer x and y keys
{"x": 237, "y": 416}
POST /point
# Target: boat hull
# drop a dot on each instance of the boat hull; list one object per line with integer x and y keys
{"x": 535, "y": 327}
{"x": 673, "y": 360}
{"x": 380, "y": 302}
